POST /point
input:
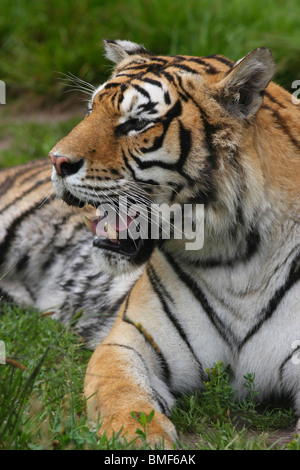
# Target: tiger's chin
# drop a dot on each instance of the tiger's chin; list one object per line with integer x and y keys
{"x": 122, "y": 257}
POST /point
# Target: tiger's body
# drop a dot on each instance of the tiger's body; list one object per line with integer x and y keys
{"x": 38, "y": 235}
{"x": 169, "y": 130}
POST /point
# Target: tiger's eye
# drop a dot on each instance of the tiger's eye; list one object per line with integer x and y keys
{"x": 139, "y": 124}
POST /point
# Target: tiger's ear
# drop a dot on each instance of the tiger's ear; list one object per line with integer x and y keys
{"x": 116, "y": 51}
{"x": 241, "y": 91}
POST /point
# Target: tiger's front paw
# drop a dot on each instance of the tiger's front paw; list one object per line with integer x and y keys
{"x": 154, "y": 428}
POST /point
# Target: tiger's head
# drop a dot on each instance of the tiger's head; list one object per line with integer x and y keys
{"x": 164, "y": 130}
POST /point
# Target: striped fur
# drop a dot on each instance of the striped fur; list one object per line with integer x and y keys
{"x": 170, "y": 130}
{"x": 45, "y": 255}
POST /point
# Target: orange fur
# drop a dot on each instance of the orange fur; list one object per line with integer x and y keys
{"x": 270, "y": 144}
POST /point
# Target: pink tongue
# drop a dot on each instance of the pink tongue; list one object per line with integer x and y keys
{"x": 118, "y": 224}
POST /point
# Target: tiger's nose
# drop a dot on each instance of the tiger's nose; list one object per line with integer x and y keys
{"x": 64, "y": 166}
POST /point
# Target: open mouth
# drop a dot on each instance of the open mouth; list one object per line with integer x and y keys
{"x": 116, "y": 231}
{"x": 115, "y": 235}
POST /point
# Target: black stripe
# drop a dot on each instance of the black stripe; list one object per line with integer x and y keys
{"x": 28, "y": 191}
{"x": 138, "y": 50}
{"x": 271, "y": 97}
{"x": 162, "y": 361}
{"x": 183, "y": 67}
{"x": 252, "y": 245}
{"x": 6, "y": 185}
{"x": 154, "y": 395}
{"x": 280, "y": 121}
{"x": 10, "y": 179}
{"x": 148, "y": 108}
{"x": 36, "y": 171}
{"x": 14, "y": 226}
{"x": 139, "y": 180}
{"x": 4, "y": 297}
{"x": 107, "y": 188}
{"x": 162, "y": 403}
{"x": 287, "y": 131}
{"x": 152, "y": 66}
{"x": 152, "y": 82}
{"x": 113, "y": 98}
{"x": 142, "y": 91}
{"x": 185, "y": 145}
{"x": 209, "y": 130}
{"x": 167, "y": 98}
{"x": 112, "y": 85}
{"x": 23, "y": 262}
{"x": 162, "y": 294}
{"x": 168, "y": 76}
{"x": 191, "y": 284}
{"x": 160, "y": 287}
{"x": 267, "y": 312}
{"x": 183, "y": 93}
{"x": 137, "y": 67}
{"x": 174, "y": 112}
{"x": 52, "y": 258}
{"x": 288, "y": 358}
{"x": 179, "y": 57}
{"x": 123, "y": 88}
{"x": 146, "y": 164}
{"x": 161, "y": 60}
{"x": 128, "y": 75}
{"x": 221, "y": 59}
{"x": 209, "y": 68}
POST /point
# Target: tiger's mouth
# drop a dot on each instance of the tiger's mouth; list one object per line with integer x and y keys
{"x": 114, "y": 235}
{"x": 118, "y": 233}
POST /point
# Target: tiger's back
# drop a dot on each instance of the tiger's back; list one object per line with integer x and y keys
{"x": 44, "y": 254}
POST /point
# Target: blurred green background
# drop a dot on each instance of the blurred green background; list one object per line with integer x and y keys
{"x": 41, "y": 40}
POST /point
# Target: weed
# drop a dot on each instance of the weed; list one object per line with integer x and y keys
{"x": 221, "y": 421}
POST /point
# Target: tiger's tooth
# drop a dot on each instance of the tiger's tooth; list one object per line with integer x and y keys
{"x": 98, "y": 212}
{"x": 88, "y": 223}
{"x": 111, "y": 232}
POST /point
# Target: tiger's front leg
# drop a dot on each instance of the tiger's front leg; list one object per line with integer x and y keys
{"x": 121, "y": 378}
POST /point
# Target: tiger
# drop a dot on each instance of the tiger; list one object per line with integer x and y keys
{"x": 184, "y": 130}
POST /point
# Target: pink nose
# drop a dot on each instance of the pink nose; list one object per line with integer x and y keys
{"x": 57, "y": 161}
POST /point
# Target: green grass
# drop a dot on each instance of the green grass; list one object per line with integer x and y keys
{"x": 30, "y": 140}
{"x": 39, "y": 39}
{"x": 41, "y": 387}
{"x": 221, "y": 422}
{"x": 42, "y": 405}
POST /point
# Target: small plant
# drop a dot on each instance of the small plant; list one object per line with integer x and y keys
{"x": 218, "y": 396}
{"x": 213, "y": 402}
{"x": 295, "y": 443}
{"x": 144, "y": 420}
